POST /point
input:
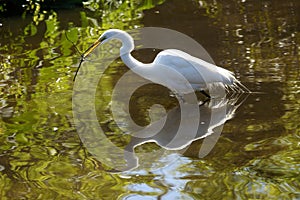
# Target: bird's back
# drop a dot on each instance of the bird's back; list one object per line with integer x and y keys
{"x": 195, "y": 70}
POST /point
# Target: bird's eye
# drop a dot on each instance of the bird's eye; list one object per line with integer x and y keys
{"x": 102, "y": 39}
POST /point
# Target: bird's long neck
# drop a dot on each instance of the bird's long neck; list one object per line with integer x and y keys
{"x": 125, "y": 54}
{"x": 130, "y": 61}
{"x": 125, "y": 51}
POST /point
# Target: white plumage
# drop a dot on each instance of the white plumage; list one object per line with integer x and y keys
{"x": 175, "y": 69}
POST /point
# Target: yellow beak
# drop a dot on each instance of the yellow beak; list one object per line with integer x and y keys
{"x": 91, "y": 48}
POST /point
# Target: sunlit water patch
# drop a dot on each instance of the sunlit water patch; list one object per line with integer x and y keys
{"x": 256, "y": 156}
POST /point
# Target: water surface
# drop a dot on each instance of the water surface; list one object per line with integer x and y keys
{"x": 256, "y": 156}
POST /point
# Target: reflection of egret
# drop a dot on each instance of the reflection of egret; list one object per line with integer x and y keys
{"x": 213, "y": 115}
{"x": 198, "y": 74}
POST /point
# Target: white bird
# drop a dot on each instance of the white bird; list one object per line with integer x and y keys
{"x": 172, "y": 68}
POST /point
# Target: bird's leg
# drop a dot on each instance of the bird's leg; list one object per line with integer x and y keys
{"x": 204, "y": 102}
{"x": 207, "y": 95}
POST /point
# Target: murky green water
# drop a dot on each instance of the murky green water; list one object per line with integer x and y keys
{"x": 256, "y": 156}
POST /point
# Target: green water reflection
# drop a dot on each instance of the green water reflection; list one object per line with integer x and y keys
{"x": 257, "y": 155}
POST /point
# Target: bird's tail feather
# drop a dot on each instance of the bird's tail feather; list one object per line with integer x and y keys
{"x": 243, "y": 87}
{"x": 232, "y": 83}
{"x": 237, "y": 86}
{"x": 215, "y": 89}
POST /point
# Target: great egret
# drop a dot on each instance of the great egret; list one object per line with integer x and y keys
{"x": 199, "y": 74}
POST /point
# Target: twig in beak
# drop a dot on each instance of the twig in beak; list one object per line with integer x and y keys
{"x": 85, "y": 54}
{"x": 81, "y": 60}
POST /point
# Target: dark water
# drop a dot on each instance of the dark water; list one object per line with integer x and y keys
{"x": 256, "y": 156}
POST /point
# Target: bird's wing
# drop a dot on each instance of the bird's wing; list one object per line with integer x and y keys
{"x": 195, "y": 70}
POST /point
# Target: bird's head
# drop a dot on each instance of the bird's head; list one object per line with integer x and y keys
{"x": 127, "y": 41}
{"x": 108, "y": 35}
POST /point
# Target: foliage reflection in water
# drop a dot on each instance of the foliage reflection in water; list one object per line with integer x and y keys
{"x": 257, "y": 155}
